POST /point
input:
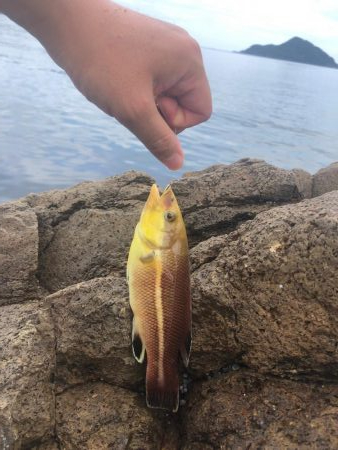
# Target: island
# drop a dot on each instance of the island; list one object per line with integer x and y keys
{"x": 295, "y": 50}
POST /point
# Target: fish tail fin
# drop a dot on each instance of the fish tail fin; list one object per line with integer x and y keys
{"x": 164, "y": 393}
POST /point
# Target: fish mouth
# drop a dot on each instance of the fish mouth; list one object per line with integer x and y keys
{"x": 164, "y": 201}
{"x": 167, "y": 197}
{"x": 154, "y": 193}
{"x": 167, "y": 188}
{"x": 153, "y": 198}
{"x": 167, "y": 191}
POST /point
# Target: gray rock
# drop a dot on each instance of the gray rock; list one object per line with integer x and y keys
{"x": 269, "y": 298}
{"x": 206, "y": 251}
{"x": 246, "y": 410}
{"x": 86, "y": 231}
{"x": 264, "y": 295}
{"x": 18, "y": 253}
{"x": 27, "y": 360}
{"x": 93, "y": 334}
{"x": 304, "y": 182}
{"x": 216, "y": 200}
{"x": 49, "y": 445}
{"x": 325, "y": 180}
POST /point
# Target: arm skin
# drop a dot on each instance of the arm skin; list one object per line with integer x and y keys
{"x": 128, "y": 64}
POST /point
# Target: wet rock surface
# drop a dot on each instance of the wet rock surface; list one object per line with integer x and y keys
{"x": 264, "y": 366}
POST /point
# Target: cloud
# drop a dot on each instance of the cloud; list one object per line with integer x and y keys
{"x": 236, "y": 24}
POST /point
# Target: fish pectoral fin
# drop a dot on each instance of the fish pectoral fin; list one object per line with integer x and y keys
{"x": 185, "y": 350}
{"x": 147, "y": 257}
{"x": 137, "y": 344}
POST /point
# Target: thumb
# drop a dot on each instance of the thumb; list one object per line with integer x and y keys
{"x": 150, "y": 127}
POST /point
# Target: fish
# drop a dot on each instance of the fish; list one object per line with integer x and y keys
{"x": 158, "y": 275}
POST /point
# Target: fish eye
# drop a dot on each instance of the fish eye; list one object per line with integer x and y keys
{"x": 169, "y": 216}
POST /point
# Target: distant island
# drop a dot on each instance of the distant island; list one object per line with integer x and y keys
{"x": 295, "y": 50}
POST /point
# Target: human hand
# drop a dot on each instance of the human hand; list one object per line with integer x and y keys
{"x": 146, "y": 73}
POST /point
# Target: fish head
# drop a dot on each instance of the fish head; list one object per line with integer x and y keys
{"x": 161, "y": 223}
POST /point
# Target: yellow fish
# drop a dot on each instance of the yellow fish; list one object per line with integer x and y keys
{"x": 159, "y": 289}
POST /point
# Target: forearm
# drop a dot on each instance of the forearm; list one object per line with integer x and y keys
{"x": 128, "y": 64}
{"x": 60, "y": 24}
{"x": 36, "y": 16}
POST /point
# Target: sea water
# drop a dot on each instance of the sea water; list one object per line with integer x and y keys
{"x": 51, "y": 136}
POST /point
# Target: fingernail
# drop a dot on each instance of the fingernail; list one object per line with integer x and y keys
{"x": 174, "y": 162}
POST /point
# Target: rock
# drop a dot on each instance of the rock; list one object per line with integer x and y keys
{"x": 304, "y": 182}
{"x": 26, "y": 367}
{"x": 99, "y": 416}
{"x": 269, "y": 297}
{"x": 246, "y": 410}
{"x": 216, "y": 200}
{"x": 205, "y": 252}
{"x": 325, "y": 180}
{"x": 264, "y": 284}
{"x": 50, "y": 445}
{"x": 18, "y": 253}
{"x": 93, "y": 334}
{"x": 86, "y": 231}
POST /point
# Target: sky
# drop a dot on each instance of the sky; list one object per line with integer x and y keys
{"x": 237, "y": 24}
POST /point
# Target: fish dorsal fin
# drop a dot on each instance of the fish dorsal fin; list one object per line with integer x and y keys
{"x": 137, "y": 344}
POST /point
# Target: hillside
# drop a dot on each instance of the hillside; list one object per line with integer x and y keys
{"x": 296, "y": 50}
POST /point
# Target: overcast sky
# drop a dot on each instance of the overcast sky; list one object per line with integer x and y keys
{"x": 236, "y": 24}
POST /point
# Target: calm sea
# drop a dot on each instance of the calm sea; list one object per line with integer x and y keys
{"x": 50, "y": 136}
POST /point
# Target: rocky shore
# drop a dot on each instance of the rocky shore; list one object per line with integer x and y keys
{"x": 264, "y": 365}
